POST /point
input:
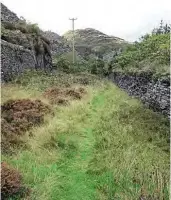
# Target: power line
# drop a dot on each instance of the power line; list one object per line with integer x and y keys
{"x": 73, "y": 40}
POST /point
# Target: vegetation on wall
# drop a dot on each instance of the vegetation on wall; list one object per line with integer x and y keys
{"x": 150, "y": 53}
{"x": 25, "y": 32}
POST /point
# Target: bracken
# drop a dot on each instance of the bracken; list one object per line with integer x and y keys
{"x": 18, "y": 116}
{"x": 62, "y": 96}
{"x": 11, "y": 182}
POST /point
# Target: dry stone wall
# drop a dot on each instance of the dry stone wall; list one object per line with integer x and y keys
{"x": 154, "y": 93}
{"x": 14, "y": 60}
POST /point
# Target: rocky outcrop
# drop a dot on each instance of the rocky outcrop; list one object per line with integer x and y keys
{"x": 21, "y": 49}
{"x": 16, "y": 37}
{"x": 108, "y": 57}
{"x": 155, "y": 94}
{"x": 14, "y": 60}
{"x": 7, "y": 15}
{"x": 58, "y": 44}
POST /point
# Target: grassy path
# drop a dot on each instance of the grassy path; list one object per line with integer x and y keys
{"x": 104, "y": 148}
{"x": 78, "y": 183}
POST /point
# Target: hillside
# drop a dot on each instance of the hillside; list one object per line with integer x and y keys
{"x": 93, "y": 42}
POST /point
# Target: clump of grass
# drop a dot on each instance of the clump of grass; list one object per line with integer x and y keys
{"x": 23, "y": 26}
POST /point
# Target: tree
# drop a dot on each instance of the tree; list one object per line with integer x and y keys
{"x": 163, "y": 29}
{"x": 166, "y": 28}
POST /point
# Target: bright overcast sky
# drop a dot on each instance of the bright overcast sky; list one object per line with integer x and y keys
{"x": 128, "y": 19}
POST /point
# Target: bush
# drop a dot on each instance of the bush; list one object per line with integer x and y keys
{"x": 62, "y": 64}
{"x": 151, "y": 53}
{"x": 98, "y": 67}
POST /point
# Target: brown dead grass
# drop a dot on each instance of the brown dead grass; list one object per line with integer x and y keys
{"x": 62, "y": 96}
{"x": 11, "y": 182}
{"x": 18, "y": 116}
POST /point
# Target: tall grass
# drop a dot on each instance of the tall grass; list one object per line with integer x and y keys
{"x": 106, "y": 146}
{"x": 132, "y": 149}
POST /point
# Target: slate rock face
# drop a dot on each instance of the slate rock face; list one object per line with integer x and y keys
{"x": 14, "y": 60}
{"x": 18, "y": 50}
{"x": 58, "y": 44}
{"x": 155, "y": 94}
{"x": 7, "y": 15}
{"x": 16, "y": 37}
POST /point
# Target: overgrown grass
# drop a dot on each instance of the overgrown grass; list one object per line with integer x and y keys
{"x": 41, "y": 81}
{"x": 131, "y": 149}
{"x": 106, "y": 146}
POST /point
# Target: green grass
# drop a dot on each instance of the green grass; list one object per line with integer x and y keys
{"x": 106, "y": 146}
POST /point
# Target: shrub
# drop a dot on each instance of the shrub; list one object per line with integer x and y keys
{"x": 18, "y": 116}
{"x": 33, "y": 28}
{"x": 97, "y": 66}
{"x": 151, "y": 48}
{"x": 62, "y": 64}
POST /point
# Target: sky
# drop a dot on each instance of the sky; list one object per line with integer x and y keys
{"x": 127, "y": 19}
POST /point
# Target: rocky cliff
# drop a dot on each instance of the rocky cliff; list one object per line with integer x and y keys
{"x": 22, "y": 46}
{"x": 15, "y": 59}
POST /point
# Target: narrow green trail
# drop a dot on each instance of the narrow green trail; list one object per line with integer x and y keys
{"x": 79, "y": 185}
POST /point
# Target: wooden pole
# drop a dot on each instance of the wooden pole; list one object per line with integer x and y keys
{"x": 73, "y": 39}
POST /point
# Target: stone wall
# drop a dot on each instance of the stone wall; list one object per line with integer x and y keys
{"x": 14, "y": 60}
{"x": 155, "y": 94}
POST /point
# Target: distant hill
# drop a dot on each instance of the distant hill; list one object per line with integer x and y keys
{"x": 93, "y": 42}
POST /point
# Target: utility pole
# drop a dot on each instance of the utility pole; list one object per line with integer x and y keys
{"x": 73, "y": 40}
